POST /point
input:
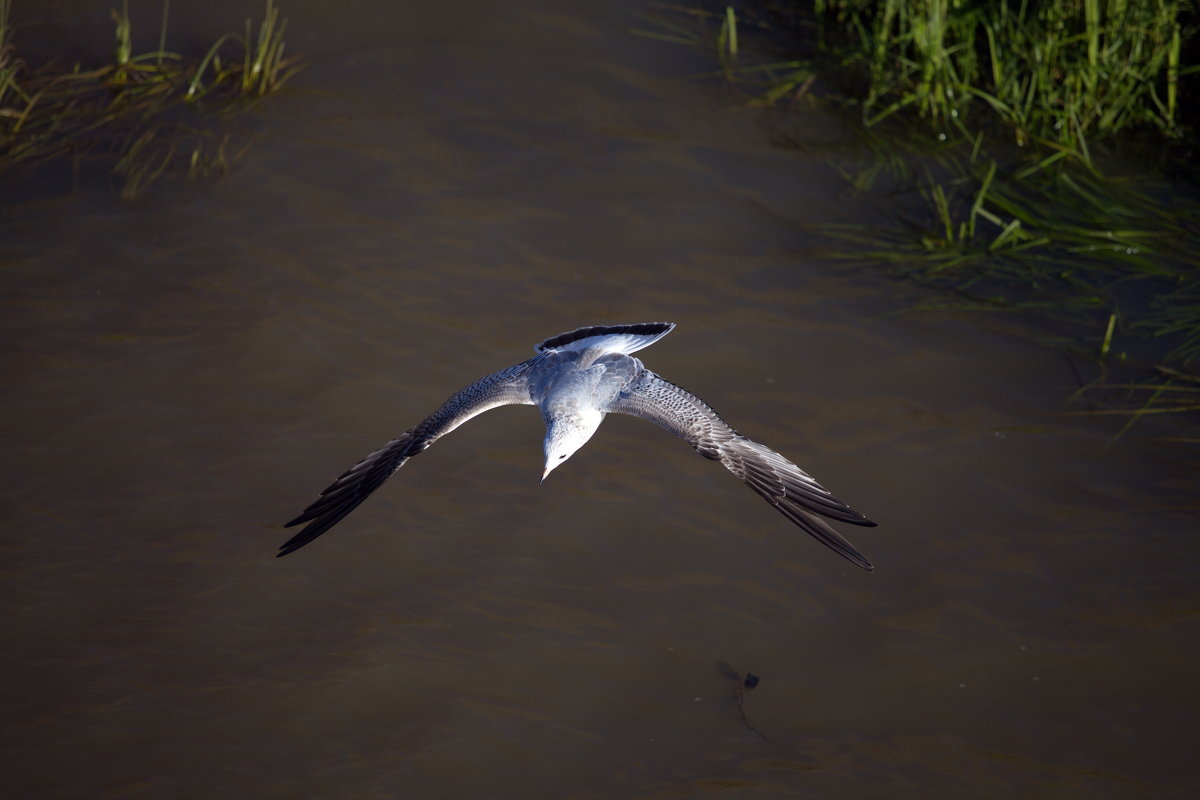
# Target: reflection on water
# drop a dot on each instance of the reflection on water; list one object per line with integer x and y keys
{"x": 443, "y": 188}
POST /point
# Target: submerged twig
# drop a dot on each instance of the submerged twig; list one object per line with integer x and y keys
{"x": 743, "y": 685}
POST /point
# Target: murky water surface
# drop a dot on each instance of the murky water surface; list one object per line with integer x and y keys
{"x": 445, "y": 186}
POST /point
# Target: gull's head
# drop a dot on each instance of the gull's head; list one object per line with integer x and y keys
{"x": 566, "y": 433}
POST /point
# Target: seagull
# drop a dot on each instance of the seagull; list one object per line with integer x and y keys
{"x": 574, "y": 379}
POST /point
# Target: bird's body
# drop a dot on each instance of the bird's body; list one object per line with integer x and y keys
{"x": 575, "y": 379}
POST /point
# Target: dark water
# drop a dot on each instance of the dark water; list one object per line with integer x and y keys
{"x": 445, "y": 186}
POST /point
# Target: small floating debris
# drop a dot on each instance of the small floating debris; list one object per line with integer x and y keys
{"x": 744, "y": 684}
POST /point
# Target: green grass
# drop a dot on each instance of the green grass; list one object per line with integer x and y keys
{"x": 1067, "y": 240}
{"x": 987, "y": 140}
{"x": 1103, "y": 264}
{"x": 1063, "y": 72}
{"x": 153, "y": 109}
{"x": 10, "y": 66}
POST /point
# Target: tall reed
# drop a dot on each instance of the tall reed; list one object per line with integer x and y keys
{"x": 1063, "y": 71}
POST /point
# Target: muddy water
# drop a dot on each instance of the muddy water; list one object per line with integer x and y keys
{"x": 444, "y": 187}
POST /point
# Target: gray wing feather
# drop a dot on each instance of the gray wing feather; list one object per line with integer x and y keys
{"x": 781, "y": 483}
{"x": 506, "y": 387}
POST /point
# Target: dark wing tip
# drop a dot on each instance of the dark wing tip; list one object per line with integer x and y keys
{"x": 318, "y": 526}
{"x": 858, "y": 558}
{"x": 795, "y": 495}
{"x": 322, "y": 516}
{"x": 346, "y": 493}
{"x": 823, "y": 533}
{"x": 295, "y": 543}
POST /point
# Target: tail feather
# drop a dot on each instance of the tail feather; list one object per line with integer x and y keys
{"x": 623, "y": 339}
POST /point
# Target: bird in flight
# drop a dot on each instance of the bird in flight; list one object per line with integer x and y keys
{"x": 575, "y": 379}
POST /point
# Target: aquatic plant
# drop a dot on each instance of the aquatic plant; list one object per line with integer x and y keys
{"x": 144, "y": 107}
{"x": 1171, "y": 392}
{"x": 992, "y": 124}
{"x": 1112, "y": 256}
{"x": 263, "y": 68}
{"x": 1064, "y": 71}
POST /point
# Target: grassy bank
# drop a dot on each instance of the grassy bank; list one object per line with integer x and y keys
{"x": 1032, "y": 158}
{"x": 1055, "y": 227}
{"x": 146, "y": 112}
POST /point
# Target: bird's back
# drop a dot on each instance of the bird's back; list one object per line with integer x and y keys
{"x": 583, "y": 380}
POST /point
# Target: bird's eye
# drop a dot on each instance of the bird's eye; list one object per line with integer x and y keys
{"x": 560, "y": 458}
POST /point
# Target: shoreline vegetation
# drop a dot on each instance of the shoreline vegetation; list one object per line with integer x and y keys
{"x": 147, "y": 114}
{"x": 1030, "y": 157}
{"x": 996, "y": 140}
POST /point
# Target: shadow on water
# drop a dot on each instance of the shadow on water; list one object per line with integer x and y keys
{"x": 445, "y": 186}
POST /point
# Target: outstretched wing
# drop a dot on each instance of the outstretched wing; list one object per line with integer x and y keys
{"x": 780, "y": 482}
{"x": 506, "y": 387}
